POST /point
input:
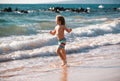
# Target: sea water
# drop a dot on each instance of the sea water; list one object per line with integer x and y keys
{"x": 25, "y": 39}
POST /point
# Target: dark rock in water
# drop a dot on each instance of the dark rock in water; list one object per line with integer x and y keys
{"x": 23, "y": 11}
{"x": 55, "y": 9}
{"x": 9, "y": 9}
{"x": 81, "y": 9}
{"x": 16, "y": 9}
{"x": 58, "y": 9}
{"x": 86, "y": 10}
{"x": 116, "y": 9}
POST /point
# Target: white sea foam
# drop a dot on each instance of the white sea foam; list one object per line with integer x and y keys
{"x": 79, "y": 19}
{"x": 98, "y": 29}
{"x": 25, "y": 42}
{"x": 80, "y": 40}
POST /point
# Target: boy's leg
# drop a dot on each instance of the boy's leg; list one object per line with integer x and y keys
{"x": 64, "y": 56}
{"x": 63, "y": 53}
{"x": 60, "y": 54}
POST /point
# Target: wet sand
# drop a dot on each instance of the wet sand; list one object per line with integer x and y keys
{"x": 102, "y": 65}
{"x": 81, "y": 73}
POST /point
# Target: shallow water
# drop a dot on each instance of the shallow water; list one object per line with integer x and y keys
{"x": 102, "y": 59}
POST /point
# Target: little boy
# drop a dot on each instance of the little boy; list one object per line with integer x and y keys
{"x": 59, "y": 32}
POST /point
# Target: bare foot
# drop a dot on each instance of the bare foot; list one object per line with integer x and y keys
{"x": 64, "y": 63}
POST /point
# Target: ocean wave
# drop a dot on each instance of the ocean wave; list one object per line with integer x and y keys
{"x": 97, "y": 30}
{"x": 84, "y": 22}
{"x": 90, "y": 20}
{"x": 77, "y": 46}
{"x": 9, "y": 44}
{"x": 80, "y": 40}
{"x": 25, "y": 28}
{"x": 3, "y": 20}
{"x": 16, "y": 30}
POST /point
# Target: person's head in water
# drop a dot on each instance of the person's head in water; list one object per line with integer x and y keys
{"x": 60, "y": 20}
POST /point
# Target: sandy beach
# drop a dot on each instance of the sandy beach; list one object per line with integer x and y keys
{"x": 102, "y": 65}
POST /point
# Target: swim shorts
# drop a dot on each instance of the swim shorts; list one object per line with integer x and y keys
{"x": 62, "y": 43}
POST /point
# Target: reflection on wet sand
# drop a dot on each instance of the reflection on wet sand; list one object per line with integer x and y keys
{"x": 64, "y": 74}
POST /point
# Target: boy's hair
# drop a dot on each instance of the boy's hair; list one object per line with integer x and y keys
{"x": 61, "y": 18}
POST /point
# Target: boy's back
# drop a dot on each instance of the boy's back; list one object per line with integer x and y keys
{"x": 60, "y": 31}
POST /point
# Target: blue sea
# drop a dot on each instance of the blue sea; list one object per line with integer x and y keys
{"x": 25, "y": 42}
{"x": 39, "y": 18}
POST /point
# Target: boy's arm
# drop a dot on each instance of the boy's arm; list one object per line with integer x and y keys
{"x": 68, "y": 29}
{"x": 53, "y": 32}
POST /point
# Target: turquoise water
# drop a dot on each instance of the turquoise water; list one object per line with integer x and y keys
{"x": 26, "y": 35}
{"x": 39, "y": 18}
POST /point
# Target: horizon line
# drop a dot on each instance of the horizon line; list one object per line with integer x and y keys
{"x": 59, "y": 3}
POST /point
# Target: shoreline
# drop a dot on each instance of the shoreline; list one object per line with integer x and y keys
{"x": 96, "y": 65}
